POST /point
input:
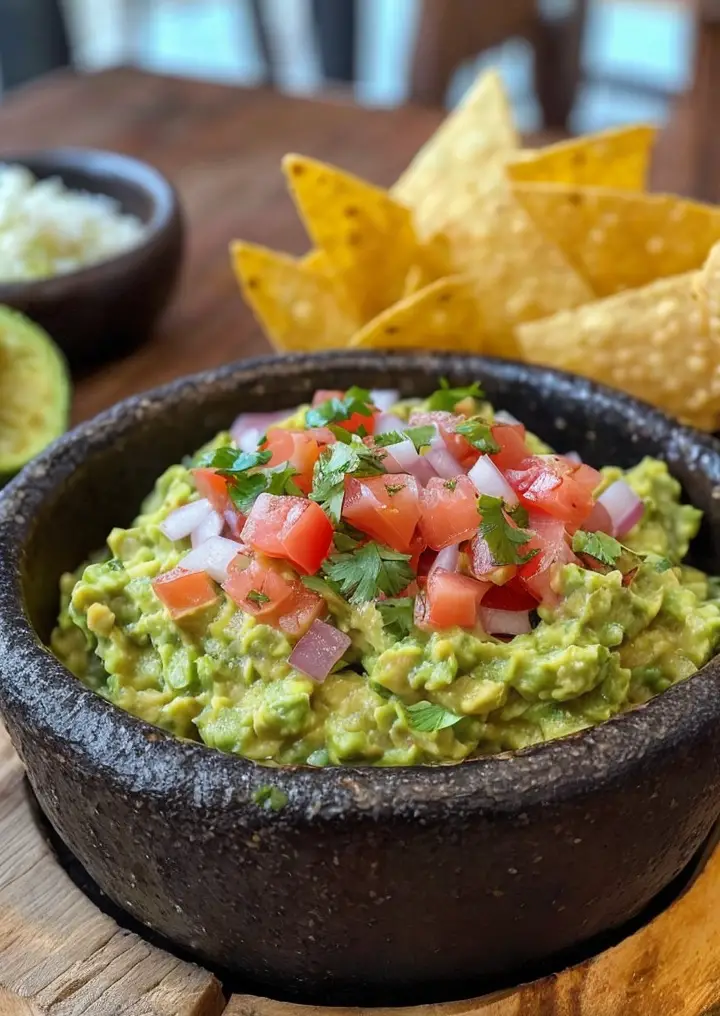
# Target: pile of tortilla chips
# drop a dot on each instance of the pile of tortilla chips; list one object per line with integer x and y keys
{"x": 556, "y": 256}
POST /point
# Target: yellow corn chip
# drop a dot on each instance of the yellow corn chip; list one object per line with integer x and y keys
{"x": 297, "y": 308}
{"x": 444, "y": 315}
{"x": 652, "y": 342}
{"x": 462, "y": 160}
{"x": 708, "y": 291}
{"x": 367, "y": 237}
{"x": 317, "y": 261}
{"x": 617, "y": 159}
{"x": 619, "y": 240}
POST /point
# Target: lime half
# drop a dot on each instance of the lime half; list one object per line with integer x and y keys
{"x": 34, "y": 392}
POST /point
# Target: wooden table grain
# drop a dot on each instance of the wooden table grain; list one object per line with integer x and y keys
{"x": 221, "y": 146}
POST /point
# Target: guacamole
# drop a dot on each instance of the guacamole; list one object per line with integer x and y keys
{"x": 424, "y": 584}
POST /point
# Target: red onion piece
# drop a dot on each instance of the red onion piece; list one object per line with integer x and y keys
{"x": 488, "y": 479}
{"x": 505, "y": 622}
{"x": 213, "y": 557}
{"x": 317, "y": 652}
{"x": 181, "y": 522}
{"x": 623, "y": 506}
{"x": 444, "y": 464}
{"x": 386, "y": 422}
{"x": 404, "y": 455}
{"x": 599, "y": 521}
{"x": 447, "y": 559}
{"x": 212, "y": 525}
{"x": 573, "y": 457}
{"x": 247, "y": 430}
{"x": 384, "y": 398}
{"x": 507, "y": 418}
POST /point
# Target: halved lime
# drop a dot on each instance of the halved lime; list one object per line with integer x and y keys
{"x": 34, "y": 392}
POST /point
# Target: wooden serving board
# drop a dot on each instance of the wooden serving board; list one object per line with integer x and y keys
{"x": 61, "y": 956}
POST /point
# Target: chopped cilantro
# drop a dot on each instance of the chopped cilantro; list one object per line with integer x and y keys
{"x": 324, "y": 587}
{"x": 334, "y": 464}
{"x": 369, "y": 570}
{"x": 420, "y": 437}
{"x": 662, "y": 564}
{"x": 518, "y": 513}
{"x": 446, "y": 398}
{"x": 246, "y": 489}
{"x": 503, "y": 539}
{"x": 229, "y": 461}
{"x": 429, "y": 717}
{"x": 318, "y": 758}
{"x": 355, "y": 400}
{"x": 397, "y": 615}
{"x": 479, "y": 433}
{"x": 394, "y": 488}
{"x": 247, "y": 480}
{"x": 450, "y": 484}
{"x": 600, "y": 546}
{"x": 257, "y": 597}
{"x": 280, "y": 481}
{"x": 270, "y": 798}
{"x": 381, "y": 690}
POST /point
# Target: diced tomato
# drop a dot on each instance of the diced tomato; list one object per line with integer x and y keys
{"x": 183, "y": 592}
{"x": 325, "y": 394}
{"x": 418, "y": 549}
{"x": 292, "y": 528}
{"x": 511, "y": 596}
{"x": 356, "y": 421}
{"x": 513, "y": 450}
{"x": 234, "y": 523}
{"x": 448, "y": 511}
{"x": 453, "y": 599}
{"x": 447, "y": 423}
{"x": 296, "y": 447}
{"x": 263, "y": 580}
{"x": 385, "y": 507}
{"x": 550, "y": 540}
{"x": 556, "y": 486}
{"x": 300, "y": 611}
{"x": 214, "y": 487}
{"x": 323, "y": 435}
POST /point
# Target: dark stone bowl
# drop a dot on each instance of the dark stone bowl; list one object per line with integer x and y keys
{"x": 370, "y": 883}
{"x": 103, "y": 311}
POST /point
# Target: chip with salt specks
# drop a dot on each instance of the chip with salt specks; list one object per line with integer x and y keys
{"x": 617, "y": 159}
{"x": 367, "y": 237}
{"x": 652, "y": 342}
{"x": 298, "y": 308}
{"x": 708, "y": 291}
{"x": 462, "y": 160}
{"x": 443, "y": 315}
{"x": 620, "y": 240}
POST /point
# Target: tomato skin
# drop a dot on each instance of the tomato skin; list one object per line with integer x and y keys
{"x": 448, "y": 514}
{"x": 511, "y": 596}
{"x": 292, "y": 528}
{"x": 299, "y": 612}
{"x": 262, "y": 579}
{"x": 296, "y": 447}
{"x": 513, "y": 450}
{"x": 557, "y": 487}
{"x": 211, "y": 485}
{"x": 452, "y": 600}
{"x": 183, "y": 592}
{"x": 550, "y": 540}
{"x": 390, "y": 518}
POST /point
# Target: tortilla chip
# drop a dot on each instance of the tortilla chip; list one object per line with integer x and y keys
{"x": 652, "y": 342}
{"x": 617, "y": 159}
{"x": 519, "y": 275}
{"x": 708, "y": 292}
{"x": 368, "y": 238}
{"x": 619, "y": 240}
{"x": 317, "y": 261}
{"x": 462, "y": 160}
{"x": 442, "y": 316}
{"x": 297, "y": 308}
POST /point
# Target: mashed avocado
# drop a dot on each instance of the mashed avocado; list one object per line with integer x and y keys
{"x": 605, "y": 641}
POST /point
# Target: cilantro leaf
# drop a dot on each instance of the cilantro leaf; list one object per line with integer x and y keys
{"x": 229, "y": 461}
{"x": 381, "y": 690}
{"x": 600, "y": 546}
{"x": 369, "y": 570}
{"x": 503, "y": 539}
{"x": 479, "y": 433}
{"x": 662, "y": 564}
{"x": 334, "y": 464}
{"x": 446, "y": 398}
{"x": 270, "y": 798}
{"x": 397, "y": 615}
{"x": 428, "y": 717}
{"x": 280, "y": 481}
{"x": 319, "y": 757}
{"x": 257, "y": 597}
{"x": 355, "y": 400}
{"x": 247, "y": 480}
{"x": 246, "y": 489}
{"x": 518, "y": 513}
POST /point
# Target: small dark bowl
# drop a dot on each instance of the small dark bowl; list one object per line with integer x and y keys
{"x": 105, "y": 310}
{"x": 370, "y": 883}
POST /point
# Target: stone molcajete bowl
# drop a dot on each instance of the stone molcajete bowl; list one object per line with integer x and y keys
{"x": 370, "y": 883}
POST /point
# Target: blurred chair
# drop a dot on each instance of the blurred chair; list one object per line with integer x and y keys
{"x": 33, "y": 40}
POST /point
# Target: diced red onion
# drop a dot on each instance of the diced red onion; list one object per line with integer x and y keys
{"x": 212, "y": 525}
{"x": 573, "y": 457}
{"x": 213, "y": 557}
{"x": 599, "y": 521}
{"x": 507, "y": 418}
{"x": 384, "y": 398}
{"x": 623, "y": 506}
{"x": 505, "y": 622}
{"x": 386, "y": 422}
{"x": 317, "y": 652}
{"x": 181, "y": 522}
{"x": 447, "y": 559}
{"x": 489, "y": 480}
{"x": 404, "y": 455}
{"x": 247, "y": 430}
{"x": 444, "y": 464}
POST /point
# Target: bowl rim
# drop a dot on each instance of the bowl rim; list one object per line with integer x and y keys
{"x": 145, "y": 755}
{"x": 94, "y": 162}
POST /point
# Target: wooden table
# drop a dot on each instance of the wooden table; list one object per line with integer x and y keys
{"x": 222, "y": 147}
